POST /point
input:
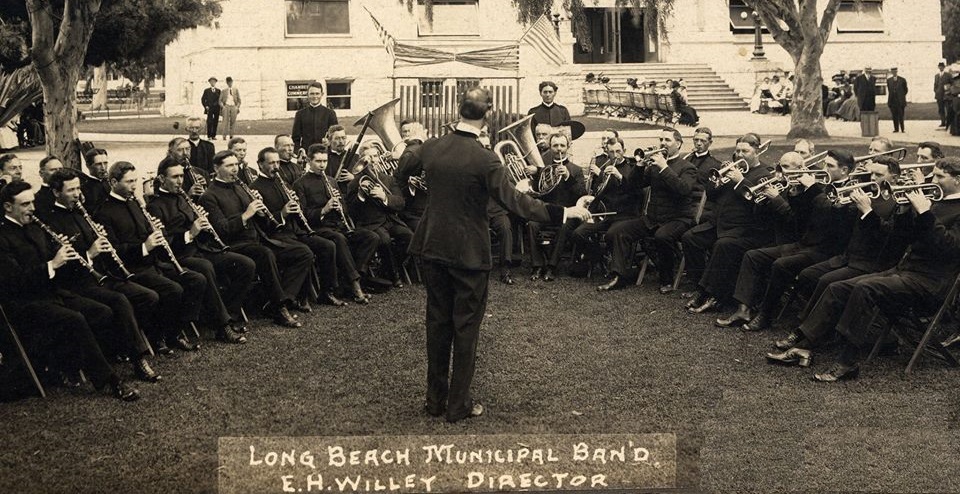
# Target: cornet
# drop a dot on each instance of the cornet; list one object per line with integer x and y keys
{"x": 648, "y": 154}
{"x": 841, "y": 195}
{"x": 899, "y": 192}
{"x": 820, "y": 176}
{"x": 902, "y": 170}
{"x": 719, "y": 175}
{"x": 755, "y": 193}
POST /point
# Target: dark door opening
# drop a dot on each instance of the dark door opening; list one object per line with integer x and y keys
{"x": 616, "y": 35}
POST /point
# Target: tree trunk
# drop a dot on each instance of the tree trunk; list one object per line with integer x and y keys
{"x": 806, "y": 117}
{"x": 100, "y": 88}
{"x": 60, "y": 111}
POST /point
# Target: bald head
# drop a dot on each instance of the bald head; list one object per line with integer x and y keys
{"x": 475, "y": 104}
{"x": 791, "y": 160}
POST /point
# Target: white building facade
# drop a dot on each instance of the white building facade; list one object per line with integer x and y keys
{"x": 273, "y": 48}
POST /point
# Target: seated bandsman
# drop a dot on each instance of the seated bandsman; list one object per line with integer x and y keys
{"x": 280, "y": 200}
{"x": 248, "y": 173}
{"x": 290, "y": 166}
{"x": 141, "y": 247}
{"x": 243, "y": 222}
{"x": 337, "y": 139}
{"x": 570, "y": 188}
{"x": 409, "y": 174}
{"x": 327, "y": 212}
{"x": 129, "y": 301}
{"x": 44, "y": 197}
{"x": 672, "y": 180}
{"x": 920, "y": 281}
{"x": 877, "y": 242}
{"x": 94, "y": 184}
{"x": 766, "y": 273}
{"x": 55, "y": 327}
{"x": 741, "y": 225}
{"x": 374, "y": 199}
{"x": 706, "y": 163}
{"x": 195, "y": 179}
{"x": 198, "y": 248}
{"x": 11, "y": 169}
{"x": 804, "y": 147}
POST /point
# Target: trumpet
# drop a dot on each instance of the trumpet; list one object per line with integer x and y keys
{"x": 385, "y": 164}
{"x": 899, "y": 192}
{"x": 255, "y": 196}
{"x": 719, "y": 175}
{"x": 156, "y": 225}
{"x": 100, "y": 231}
{"x": 334, "y": 193}
{"x": 202, "y": 213}
{"x": 755, "y": 193}
{"x": 63, "y": 241}
{"x": 841, "y": 195}
{"x": 897, "y": 154}
{"x": 820, "y": 176}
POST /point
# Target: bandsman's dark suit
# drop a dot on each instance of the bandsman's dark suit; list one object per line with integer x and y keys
{"x": 201, "y": 156}
{"x": 293, "y": 231}
{"x": 55, "y": 327}
{"x": 283, "y": 267}
{"x": 620, "y": 196}
{"x": 705, "y": 164}
{"x": 462, "y": 176}
{"x": 129, "y": 301}
{"x": 920, "y": 280}
{"x": 333, "y": 163}
{"x": 897, "y": 101}
{"x": 189, "y": 171}
{"x": 741, "y": 225}
{"x": 354, "y": 249}
{"x": 310, "y": 125}
{"x": 94, "y": 190}
{"x": 372, "y": 214}
{"x": 290, "y": 170}
{"x": 565, "y": 194}
{"x": 669, "y": 214}
{"x": 43, "y": 200}
{"x": 415, "y": 200}
{"x": 232, "y": 271}
{"x": 180, "y": 294}
{"x": 211, "y": 106}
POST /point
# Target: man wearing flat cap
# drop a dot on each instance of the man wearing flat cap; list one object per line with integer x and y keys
{"x": 896, "y": 98}
{"x": 211, "y": 106}
{"x": 548, "y": 112}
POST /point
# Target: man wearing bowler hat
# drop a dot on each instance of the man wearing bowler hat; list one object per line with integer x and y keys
{"x": 211, "y": 106}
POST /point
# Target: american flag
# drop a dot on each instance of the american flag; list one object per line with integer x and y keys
{"x": 388, "y": 42}
{"x": 544, "y": 39}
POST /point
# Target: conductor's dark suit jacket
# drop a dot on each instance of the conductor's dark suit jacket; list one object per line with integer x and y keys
{"x": 454, "y": 230}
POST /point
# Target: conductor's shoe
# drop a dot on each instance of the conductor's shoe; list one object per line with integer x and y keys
{"x": 124, "y": 391}
{"x": 793, "y": 339}
{"x": 185, "y": 344}
{"x": 759, "y": 323}
{"x": 793, "y": 356}
{"x": 143, "y": 371}
{"x": 614, "y": 284}
{"x": 535, "y": 275}
{"x": 505, "y": 278}
{"x": 711, "y": 304}
{"x": 735, "y": 319}
{"x": 549, "y": 275}
{"x": 839, "y": 372}
{"x": 329, "y": 298}
{"x": 282, "y": 317}
{"x": 433, "y": 409}
{"x": 228, "y": 335}
{"x": 476, "y": 410}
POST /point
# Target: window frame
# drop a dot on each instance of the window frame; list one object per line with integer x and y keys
{"x": 743, "y": 31}
{"x": 286, "y": 21}
{"x": 420, "y": 9}
{"x": 852, "y": 5}
{"x": 328, "y": 94}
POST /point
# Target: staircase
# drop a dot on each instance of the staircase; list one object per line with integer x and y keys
{"x": 705, "y": 89}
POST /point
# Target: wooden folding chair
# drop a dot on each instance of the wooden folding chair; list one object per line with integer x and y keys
{"x": 22, "y": 353}
{"x": 701, "y": 197}
{"x": 928, "y": 330}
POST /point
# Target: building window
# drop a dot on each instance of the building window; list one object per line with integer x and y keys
{"x": 338, "y": 94}
{"x": 739, "y": 25}
{"x": 450, "y": 18}
{"x": 431, "y": 93}
{"x": 297, "y": 94}
{"x": 864, "y": 18}
{"x": 312, "y": 17}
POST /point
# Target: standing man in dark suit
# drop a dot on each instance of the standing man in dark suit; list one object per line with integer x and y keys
{"x": 462, "y": 176}
{"x": 310, "y": 124}
{"x": 865, "y": 88}
{"x": 897, "y": 99}
{"x": 211, "y": 107}
{"x": 548, "y": 112}
{"x": 940, "y": 80}
{"x": 201, "y": 152}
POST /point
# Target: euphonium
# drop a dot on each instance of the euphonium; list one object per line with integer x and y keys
{"x": 719, "y": 175}
{"x": 820, "y": 176}
{"x": 202, "y": 213}
{"x": 63, "y": 241}
{"x": 513, "y": 160}
{"x": 525, "y": 151}
{"x": 755, "y": 193}
{"x": 100, "y": 231}
{"x": 841, "y": 195}
{"x": 157, "y": 225}
{"x": 898, "y": 154}
{"x": 899, "y": 192}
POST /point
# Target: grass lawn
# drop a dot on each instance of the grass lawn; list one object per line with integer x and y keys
{"x": 556, "y": 358}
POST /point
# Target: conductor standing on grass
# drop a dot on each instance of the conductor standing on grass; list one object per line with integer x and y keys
{"x": 453, "y": 240}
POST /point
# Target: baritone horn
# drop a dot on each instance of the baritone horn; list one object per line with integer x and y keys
{"x": 719, "y": 175}
{"x": 899, "y": 192}
{"x": 519, "y": 150}
{"x": 841, "y": 195}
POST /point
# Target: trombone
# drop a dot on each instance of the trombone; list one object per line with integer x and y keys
{"x": 899, "y": 192}
{"x": 719, "y": 175}
{"x": 778, "y": 182}
{"x": 841, "y": 195}
{"x": 897, "y": 154}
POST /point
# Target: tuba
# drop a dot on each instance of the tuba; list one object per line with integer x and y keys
{"x": 383, "y": 122}
{"x": 518, "y": 151}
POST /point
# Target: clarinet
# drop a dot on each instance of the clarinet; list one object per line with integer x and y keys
{"x": 100, "y": 231}
{"x": 202, "y": 213}
{"x": 63, "y": 241}
{"x": 292, "y": 196}
{"x": 254, "y": 195}
{"x": 157, "y": 226}
{"x": 334, "y": 193}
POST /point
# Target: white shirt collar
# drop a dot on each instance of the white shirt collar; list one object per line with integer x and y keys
{"x": 57, "y": 204}
{"x": 548, "y": 105}
{"x": 117, "y": 196}
{"x": 9, "y": 218}
{"x": 470, "y": 129}
{"x": 955, "y": 195}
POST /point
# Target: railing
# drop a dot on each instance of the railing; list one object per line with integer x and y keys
{"x": 642, "y": 106}
{"x": 435, "y": 102}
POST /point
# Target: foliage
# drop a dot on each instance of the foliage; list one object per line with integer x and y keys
{"x": 950, "y": 19}
{"x": 18, "y": 89}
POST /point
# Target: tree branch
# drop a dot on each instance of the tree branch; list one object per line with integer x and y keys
{"x": 42, "y": 33}
{"x": 791, "y": 40}
{"x": 826, "y": 22}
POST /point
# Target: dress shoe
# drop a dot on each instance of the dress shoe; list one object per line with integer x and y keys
{"x": 183, "y": 343}
{"x": 505, "y": 278}
{"x": 238, "y": 327}
{"x": 665, "y": 289}
{"x": 951, "y": 340}
{"x": 282, "y": 317}
{"x": 160, "y": 348}
{"x": 329, "y": 298}
{"x": 361, "y": 298}
{"x": 613, "y": 284}
{"x": 839, "y": 372}
{"x": 434, "y": 410}
{"x": 397, "y": 283}
{"x": 302, "y": 305}
{"x": 697, "y": 299}
{"x": 476, "y": 410}
{"x": 124, "y": 391}
{"x": 143, "y": 371}
{"x": 549, "y": 275}
{"x": 735, "y": 319}
{"x": 793, "y": 339}
{"x": 759, "y": 323}
{"x": 690, "y": 294}
{"x": 229, "y": 335}
{"x": 375, "y": 284}
{"x": 535, "y": 276}
{"x": 793, "y": 356}
{"x": 711, "y": 304}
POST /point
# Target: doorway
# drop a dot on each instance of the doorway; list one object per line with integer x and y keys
{"x": 617, "y": 35}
